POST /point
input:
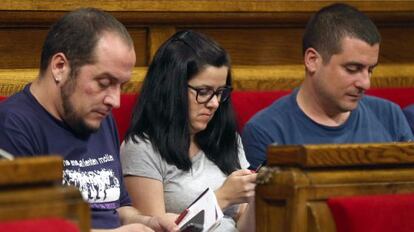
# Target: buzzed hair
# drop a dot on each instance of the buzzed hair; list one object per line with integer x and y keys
{"x": 76, "y": 35}
{"x": 327, "y": 27}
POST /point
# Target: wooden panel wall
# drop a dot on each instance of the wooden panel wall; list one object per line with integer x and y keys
{"x": 262, "y": 37}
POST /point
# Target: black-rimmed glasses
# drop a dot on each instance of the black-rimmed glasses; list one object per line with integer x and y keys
{"x": 205, "y": 94}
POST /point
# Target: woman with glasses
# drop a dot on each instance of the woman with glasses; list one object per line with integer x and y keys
{"x": 183, "y": 138}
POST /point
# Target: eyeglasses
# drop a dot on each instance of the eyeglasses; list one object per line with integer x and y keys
{"x": 205, "y": 94}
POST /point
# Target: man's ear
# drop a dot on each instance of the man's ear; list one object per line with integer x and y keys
{"x": 59, "y": 67}
{"x": 312, "y": 60}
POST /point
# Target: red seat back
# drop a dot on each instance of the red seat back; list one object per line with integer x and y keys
{"x": 245, "y": 103}
{"x": 248, "y": 103}
{"x": 402, "y": 96}
{"x": 124, "y": 113}
{"x": 379, "y": 213}
{"x": 38, "y": 225}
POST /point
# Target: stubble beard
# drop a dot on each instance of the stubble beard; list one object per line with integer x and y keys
{"x": 70, "y": 116}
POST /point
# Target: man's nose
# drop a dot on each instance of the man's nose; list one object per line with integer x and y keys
{"x": 364, "y": 81}
{"x": 113, "y": 97}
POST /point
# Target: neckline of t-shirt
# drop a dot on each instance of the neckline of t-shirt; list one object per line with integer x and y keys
{"x": 341, "y": 127}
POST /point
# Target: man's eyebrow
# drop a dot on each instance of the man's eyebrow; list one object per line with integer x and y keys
{"x": 107, "y": 75}
{"x": 359, "y": 65}
{"x": 354, "y": 63}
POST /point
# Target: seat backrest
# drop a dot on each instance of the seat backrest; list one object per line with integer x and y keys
{"x": 401, "y": 96}
{"x": 123, "y": 114}
{"x": 38, "y": 225}
{"x": 245, "y": 103}
{"x": 379, "y": 213}
{"x": 248, "y": 103}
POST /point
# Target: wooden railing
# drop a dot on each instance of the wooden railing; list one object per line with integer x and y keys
{"x": 32, "y": 188}
{"x": 293, "y": 188}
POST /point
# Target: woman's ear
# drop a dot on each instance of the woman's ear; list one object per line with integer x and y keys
{"x": 312, "y": 59}
{"x": 59, "y": 67}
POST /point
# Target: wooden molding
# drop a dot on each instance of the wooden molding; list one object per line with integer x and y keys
{"x": 197, "y": 11}
{"x": 245, "y": 78}
{"x": 31, "y": 187}
{"x": 341, "y": 155}
{"x": 33, "y": 171}
{"x": 202, "y": 5}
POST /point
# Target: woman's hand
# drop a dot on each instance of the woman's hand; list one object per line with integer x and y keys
{"x": 238, "y": 188}
{"x": 163, "y": 223}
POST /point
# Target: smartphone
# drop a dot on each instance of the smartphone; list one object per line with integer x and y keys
{"x": 195, "y": 224}
{"x": 257, "y": 169}
{"x": 192, "y": 227}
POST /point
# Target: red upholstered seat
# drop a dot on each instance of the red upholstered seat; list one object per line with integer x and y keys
{"x": 38, "y": 225}
{"x": 379, "y": 213}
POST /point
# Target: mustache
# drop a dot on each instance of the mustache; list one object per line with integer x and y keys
{"x": 357, "y": 92}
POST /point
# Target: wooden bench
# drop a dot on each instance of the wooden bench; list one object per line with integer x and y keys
{"x": 31, "y": 188}
{"x": 298, "y": 180}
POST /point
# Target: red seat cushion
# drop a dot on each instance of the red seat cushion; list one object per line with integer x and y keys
{"x": 38, "y": 225}
{"x": 379, "y": 213}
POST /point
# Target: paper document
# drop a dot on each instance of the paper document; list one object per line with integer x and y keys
{"x": 203, "y": 215}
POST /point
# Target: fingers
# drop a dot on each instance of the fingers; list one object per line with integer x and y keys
{"x": 251, "y": 178}
{"x": 165, "y": 223}
{"x": 249, "y": 186}
{"x": 241, "y": 172}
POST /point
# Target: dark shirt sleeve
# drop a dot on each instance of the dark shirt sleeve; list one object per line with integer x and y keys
{"x": 14, "y": 137}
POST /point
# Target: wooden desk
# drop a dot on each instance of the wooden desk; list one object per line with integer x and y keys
{"x": 32, "y": 188}
{"x": 293, "y": 188}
